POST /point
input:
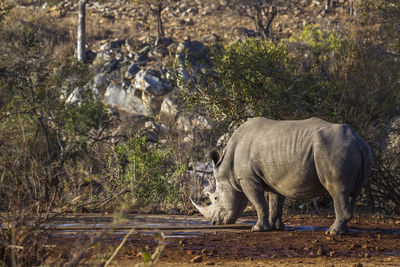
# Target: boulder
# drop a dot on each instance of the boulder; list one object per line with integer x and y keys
{"x": 76, "y": 96}
{"x": 90, "y": 55}
{"x": 110, "y": 66}
{"x": 194, "y": 55}
{"x": 168, "y": 110}
{"x": 211, "y": 38}
{"x": 242, "y": 33}
{"x": 126, "y": 99}
{"x": 150, "y": 82}
{"x": 132, "y": 70}
{"x": 101, "y": 57}
{"x": 194, "y": 49}
{"x": 159, "y": 51}
{"x": 102, "y": 80}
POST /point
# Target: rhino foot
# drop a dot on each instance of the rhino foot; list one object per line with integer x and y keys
{"x": 336, "y": 230}
{"x": 279, "y": 225}
{"x": 261, "y": 228}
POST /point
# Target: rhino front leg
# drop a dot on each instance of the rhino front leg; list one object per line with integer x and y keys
{"x": 255, "y": 193}
{"x": 276, "y": 202}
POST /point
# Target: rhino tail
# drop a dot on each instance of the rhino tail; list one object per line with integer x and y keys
{"x": 367, "y": 162}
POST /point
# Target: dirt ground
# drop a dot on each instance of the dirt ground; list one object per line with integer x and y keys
{"x": 371, "y": 241}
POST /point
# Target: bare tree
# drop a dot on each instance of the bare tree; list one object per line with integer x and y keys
{"x": 156, "y": 7}
{"x": 81, "y": 38}
{"x": 351, "y": 9}
{"x": 262, "y": 12}
{"x": 328, "y": 4}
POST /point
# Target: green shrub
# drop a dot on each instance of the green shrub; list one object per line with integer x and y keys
{"x": 150, "y": 174}
{"x": 40, "y": 138}
{"x": 318, "y": 39}
{"x": 255, "y": 78}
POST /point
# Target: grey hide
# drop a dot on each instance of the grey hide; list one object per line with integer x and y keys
{"x": 266, "y": 161}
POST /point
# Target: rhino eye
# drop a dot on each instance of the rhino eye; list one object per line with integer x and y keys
{"x": 215, "y": 198}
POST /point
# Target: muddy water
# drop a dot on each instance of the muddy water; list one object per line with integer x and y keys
{"x": 370, "y": 241}
{"x": 188, "y": 225}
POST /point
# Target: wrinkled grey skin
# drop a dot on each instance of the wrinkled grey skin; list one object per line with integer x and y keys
{"x": 266, "y": 161}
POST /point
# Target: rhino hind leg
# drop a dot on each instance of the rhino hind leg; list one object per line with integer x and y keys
{"x": 255, "y": 194}
{"x": 343, "y": 213}
{"x": 275, "y": 202}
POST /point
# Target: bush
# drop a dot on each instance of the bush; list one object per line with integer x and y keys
{"x": 40, "y": 137}
{"x": 150, "y": 174}
{"x": 256, "y": 78}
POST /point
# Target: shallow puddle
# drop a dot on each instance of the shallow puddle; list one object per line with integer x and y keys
{"x": 187, "y": 226}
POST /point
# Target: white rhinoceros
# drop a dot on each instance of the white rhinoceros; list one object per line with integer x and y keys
{"x": 267, "y": 160}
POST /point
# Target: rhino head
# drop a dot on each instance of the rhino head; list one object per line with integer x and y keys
{"x": 227, "y": 201}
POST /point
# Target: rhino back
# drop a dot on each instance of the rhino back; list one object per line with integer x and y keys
{"x": 297, "y": 159}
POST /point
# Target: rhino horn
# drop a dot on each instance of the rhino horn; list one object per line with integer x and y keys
{"x": 204, "y": 210}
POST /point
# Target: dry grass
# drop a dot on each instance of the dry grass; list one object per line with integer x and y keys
{"x": 127, "y": 20}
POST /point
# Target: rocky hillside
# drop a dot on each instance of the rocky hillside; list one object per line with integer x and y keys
{"x": 133, "y": 75}
{"x": 196, "y": 20}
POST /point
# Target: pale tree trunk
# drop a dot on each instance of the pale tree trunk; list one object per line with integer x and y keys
{"x": 81, "y": 31}
{"x": 351, "y": 10}
{"x": 328, "y": 5}
{"x": 160, "y": 27}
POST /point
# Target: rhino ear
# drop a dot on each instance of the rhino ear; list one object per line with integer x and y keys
{"x": 216, "y": 157}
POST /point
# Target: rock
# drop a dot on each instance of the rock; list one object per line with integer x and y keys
{"x": 116, "y": 44}
{"x": 168, "y": 110}
{"x": 186, "y": 21}
{"x": 211, "y": 38}
{"x": 193, "y": 11}
{"x": 102, "y": 80}
{"x": 159, "y": 51}
{"x": 141, "y": 59}
{"x": 146, "y": 49}
{"x": 242, "y": 33}
{"x": 152, "y": 103}
{"x": 194, "y": 55}
{"x": 76, "y": 96}
{"x": 172, "y": 48}
{"x": 205, "y": 13}
{"x": 195, "y": 127}
{"x": 151, "y": 130}
{"x": 90, "y": 55}
{"x": 101, "y": 57}
{"x": 126, "y": 99}
{"x": 157, "y": 127}
{"x": 195, "y": 49}
{"x": 146, "y": 80}
{"x": 132, "y": 70}
{"x": 109, "y": 66}
{"x": 188, "y": 122}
